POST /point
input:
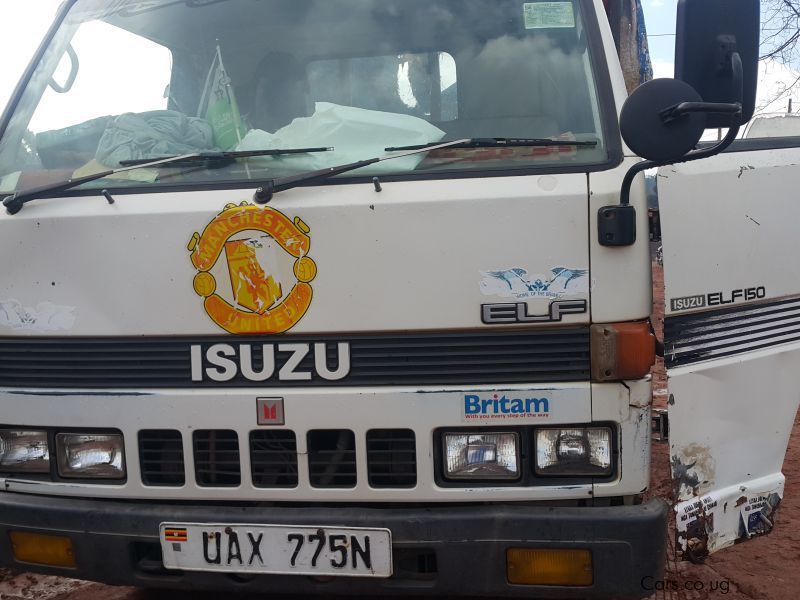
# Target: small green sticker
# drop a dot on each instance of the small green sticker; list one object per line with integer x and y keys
{"x": 548, "y": 15}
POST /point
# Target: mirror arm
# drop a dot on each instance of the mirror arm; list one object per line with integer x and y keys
{"x": 733, "y": 131}
{"x": 684, "y": 108}
{"x": 616, "y": 225}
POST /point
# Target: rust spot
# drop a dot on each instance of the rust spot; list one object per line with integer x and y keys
{"x": 741, "y": 500}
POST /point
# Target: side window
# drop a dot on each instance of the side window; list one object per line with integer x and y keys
{"x": 106, "y": 71}
{"x": 422, "y": 85}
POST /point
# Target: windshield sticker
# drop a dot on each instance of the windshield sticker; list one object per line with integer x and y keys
{"x": 516, "y": 283}
{"x": 548, "y": 15}
{"x": 266, "y": 269}
{"x": 45, "y": 316}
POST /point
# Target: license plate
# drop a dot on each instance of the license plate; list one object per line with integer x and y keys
{"x": 284, "y": 549}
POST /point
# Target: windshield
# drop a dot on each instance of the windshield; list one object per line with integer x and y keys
{"x": 128, "y": 80}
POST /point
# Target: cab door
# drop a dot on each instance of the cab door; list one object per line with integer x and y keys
{"x": 731, "y": 243}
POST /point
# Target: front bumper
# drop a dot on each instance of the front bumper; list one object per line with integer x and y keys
{"x": 438, "y": 550}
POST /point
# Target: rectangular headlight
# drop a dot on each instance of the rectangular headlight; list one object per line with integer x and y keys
{"x": 481, "y": 456}
{"x": 23, "y": 451}
{"x": 95, "y": 456}
{"x": 573, "y": 452}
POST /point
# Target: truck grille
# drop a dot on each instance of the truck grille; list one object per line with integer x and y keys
{"x": 273, "y": 458}
{"x": 216, "y": 458}
{"x": 161, "y": 457}
{"x": 486, "y": 357}
{"x": 391, "y": 458}
{"x": 332, "y": 458}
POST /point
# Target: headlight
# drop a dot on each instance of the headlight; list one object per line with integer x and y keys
{"x": 479, "y": 456}
{"x": 100, "y": 456}
{"x": 571, "y": 452}
{"x": 24, "y": 451}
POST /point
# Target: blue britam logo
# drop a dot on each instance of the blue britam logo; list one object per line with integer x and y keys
{"x": 502, "y": 407}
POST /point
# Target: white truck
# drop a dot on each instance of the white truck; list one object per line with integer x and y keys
{"x": 354, "y": 296}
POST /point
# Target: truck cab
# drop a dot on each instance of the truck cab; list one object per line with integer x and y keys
{"x": 354, "y": 297}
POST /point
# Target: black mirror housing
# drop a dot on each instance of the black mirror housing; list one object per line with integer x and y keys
{"x": 708, "y": 33}
{"x": 645, "y": 129}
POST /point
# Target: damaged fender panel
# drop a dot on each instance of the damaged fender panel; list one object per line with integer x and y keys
{"x": 729, "y": 429}
{"x": 722, "y": 518}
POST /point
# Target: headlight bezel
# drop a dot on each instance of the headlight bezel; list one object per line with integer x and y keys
{"x": 527, "y": 452}
{"x": 59, "y": 455}
{"x": 598, "y": 475}
{"x": 53, "y": 474}
{"x": 38, "y": 470}
{"x": 465, "y": 479}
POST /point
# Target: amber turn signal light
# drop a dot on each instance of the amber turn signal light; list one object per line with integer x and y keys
{"x": 562, "y": 566}
{"x": 622, "y": 351}
{"x": 39, "y": 549}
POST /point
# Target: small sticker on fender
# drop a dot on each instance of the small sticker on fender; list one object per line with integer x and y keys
{"x": 45, "y": 316}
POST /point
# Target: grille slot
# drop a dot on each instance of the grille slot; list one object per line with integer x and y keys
{"x": 161, "y": 457}
{"x": 216, "y": 458}
{"x": 332, "y": 458}
{"x": 391, "y": 458}
{"x": 273, "y": 458}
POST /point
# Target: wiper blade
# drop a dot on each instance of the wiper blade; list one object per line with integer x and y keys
{"x": 217, "y": 159}
{"x": 502, "y": 143}
{"x": 17, "y": 200}
{"x": 264, "y": 193}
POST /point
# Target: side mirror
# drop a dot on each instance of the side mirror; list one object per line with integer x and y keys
{"x": 646, "y": 130}
{"x": 709, "y": 33}
{"x": 716, "y": 70}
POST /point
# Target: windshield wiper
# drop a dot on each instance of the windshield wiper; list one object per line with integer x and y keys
{"x": 501, "y": 143}
{"x": 17, "y": 200}
{"x": 264, "y": 193}
{"x": 218, "y": 159}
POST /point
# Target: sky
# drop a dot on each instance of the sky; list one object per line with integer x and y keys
{"x": 26, "y": 21}
{"x": 659, "y": 16}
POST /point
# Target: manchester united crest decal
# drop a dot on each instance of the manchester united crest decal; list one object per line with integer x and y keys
{"x": 253, "y": 269}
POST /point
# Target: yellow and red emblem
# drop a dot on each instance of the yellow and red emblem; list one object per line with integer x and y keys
{"x": 264, "y": 299}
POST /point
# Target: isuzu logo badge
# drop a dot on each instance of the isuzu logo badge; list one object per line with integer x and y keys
{"x": 270, "y": 411}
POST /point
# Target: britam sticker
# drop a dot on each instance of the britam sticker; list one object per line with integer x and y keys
{"x": 266, "y": 262}
{"x": 548, "y": 15}
{"x": 518, "y": 284}
{"x": 504, "y": 406}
